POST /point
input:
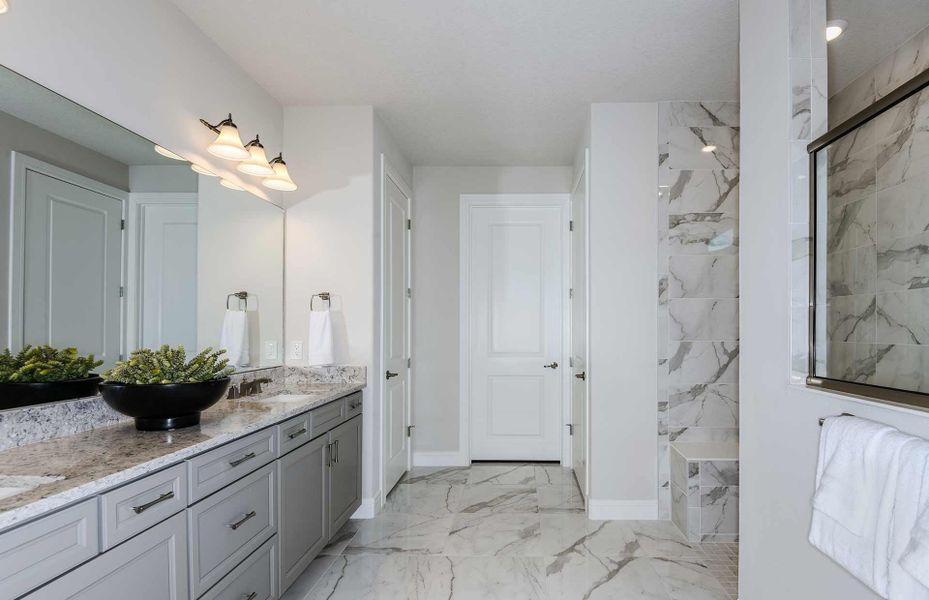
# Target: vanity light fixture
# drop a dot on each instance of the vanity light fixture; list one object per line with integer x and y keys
{"x": 708, "y": 148}
{"x": 257, "y": 162}
{"x": 232, "y": 186}
{"x": 198, "y": 169}
{"x": 164, "y": 151}
{"x": 281, "y": 179}
{"x": 835, "y": 28}
{"x": 227, "y": 144}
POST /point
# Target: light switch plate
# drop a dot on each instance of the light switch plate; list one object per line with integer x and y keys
{"x": 271, "y": 350}
{"x": 296, "y": 350}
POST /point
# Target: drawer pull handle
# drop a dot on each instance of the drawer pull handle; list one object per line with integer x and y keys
{"x": 242, "y": 521}
{"x": 354, "y": 405}
{"x": 252, "y": 596}
{"x": 239, "y": 461}
{"x": 144, "y": 507}
{"x": 296, "y": 433}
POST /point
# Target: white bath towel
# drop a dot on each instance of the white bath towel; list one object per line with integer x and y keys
{"x": 320, "y": 351}
{"x": 234, "y": 337}
{"x": 853, "y": 503}
{"x": 910, "y": 582}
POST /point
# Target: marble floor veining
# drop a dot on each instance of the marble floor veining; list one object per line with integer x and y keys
{"x": 514, "y": 532}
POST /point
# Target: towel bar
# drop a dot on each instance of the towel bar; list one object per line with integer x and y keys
{"x": 240, "y": 296}
{"x": 324, "y": 296}
{"x": 823, "y": 419}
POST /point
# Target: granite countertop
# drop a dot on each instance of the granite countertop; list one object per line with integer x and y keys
{"x": 44, "y": 476}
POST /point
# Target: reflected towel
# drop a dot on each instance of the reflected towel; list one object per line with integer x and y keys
{"x": 320, "y": 346}
{"x": 909, "y": 539}
{"x": 234, "y": 337}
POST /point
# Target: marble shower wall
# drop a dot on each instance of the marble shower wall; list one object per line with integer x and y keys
{"x": 698, "y": 279}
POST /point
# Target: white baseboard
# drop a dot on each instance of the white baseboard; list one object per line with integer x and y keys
{"x": 622, "y": 510}
{"x": 369, "y": 507}
{"x": 440, "y": 459}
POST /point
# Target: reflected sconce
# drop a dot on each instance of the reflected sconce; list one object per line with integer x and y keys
{"x": 163, "y": 151}
{"x": 228, "y": 184}
{"x": 4, "y": 6}
{"x": 280, "y": 180}
{"x": 198, "y": 169}
{"x": 257, "y": 163}
{"x": 227, "y": 144}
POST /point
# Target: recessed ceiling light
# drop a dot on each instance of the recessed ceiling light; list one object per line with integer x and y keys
{"x": 228, "y": 184}
{"x": 708, "y": 148}
{"x": 164, "y": 151}
{"x": 835, "y": 28}
{"x": 202, "y": 171}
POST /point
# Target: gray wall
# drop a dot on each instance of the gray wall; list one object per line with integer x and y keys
{"x": 20, "y": 136}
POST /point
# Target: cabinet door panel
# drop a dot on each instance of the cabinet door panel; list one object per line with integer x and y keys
{"x": 344, "y": 472}
{"x": 303, "y": 530}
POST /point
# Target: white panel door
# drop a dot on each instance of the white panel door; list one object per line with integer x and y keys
{"x": 396, "y": 341}
{"x": 578, "y": 427}
{"x": 72, "y": 267}
{"x": 168, "y": 275}
{"x": 516, "y": 320}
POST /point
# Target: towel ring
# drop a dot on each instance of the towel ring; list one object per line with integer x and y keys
{"x": 324, "y": 296}
{"x": 240, "y": 296}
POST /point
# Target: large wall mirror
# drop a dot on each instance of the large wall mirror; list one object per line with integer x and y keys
{"x": 870, "y": 211}
{"x": 111, "y": 244}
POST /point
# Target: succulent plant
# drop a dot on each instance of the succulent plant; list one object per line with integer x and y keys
{"x": 169, "y": 365}
{"x": 41, "y": 364}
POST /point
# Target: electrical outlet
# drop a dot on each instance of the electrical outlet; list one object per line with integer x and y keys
{"x": 296, "y": 350}
{"x": 271, "y": 350}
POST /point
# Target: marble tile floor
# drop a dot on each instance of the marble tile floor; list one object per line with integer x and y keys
{"x": 514, "y": 532}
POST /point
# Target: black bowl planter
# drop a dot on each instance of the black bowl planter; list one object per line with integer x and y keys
{"x": 163, "y": 406}
{"x": 13, "y": 395}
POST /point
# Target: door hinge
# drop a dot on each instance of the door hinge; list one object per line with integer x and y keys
{"x": 409, "y": 363}
{"x": 409, "y": 292}
{"x": 570, "y": 427}
{"x": 571, "y": 225}
{"x": 409, "y": 223}
{"x": 409, "y": 430}
{"x": 122, "y": 291}
{"x": 122, "y": 224}
{"x": 570, "y": 292}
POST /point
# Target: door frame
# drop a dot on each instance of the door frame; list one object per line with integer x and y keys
{"x": 20, "y": 165}
{"x": 584, "y": 176}
{"x": 466, "y": 203}
{"x": 135, "y": 219}
{"x": 388, "y": 172}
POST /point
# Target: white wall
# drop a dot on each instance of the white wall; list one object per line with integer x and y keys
{"x": 623, "y": 311}
{"x": 780, "y": 432}
{"x": 144, "y": 65}
{"x": 436, "y": 193}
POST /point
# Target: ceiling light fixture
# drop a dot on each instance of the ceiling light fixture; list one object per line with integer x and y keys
{"x": 232, "y": 186}
{"x": 257, "y": 163}
{"x": 202, "y": 171}
{"x": 164, "y": 151}
{"x": 227, "y": 144}
{"x": 4, "y": 6}
{"x": 708, "y": 148}
{"x": 835, "y": 28}
{"x": 281, "y": 180}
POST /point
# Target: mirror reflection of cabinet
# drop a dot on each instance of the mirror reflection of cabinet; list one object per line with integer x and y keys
{"x": 108, "y": 243}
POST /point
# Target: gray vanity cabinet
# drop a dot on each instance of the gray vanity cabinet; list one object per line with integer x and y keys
{"x": 150, "y": 566}
{"x": 304, "y": 531}
{"x": 344, "y": 472}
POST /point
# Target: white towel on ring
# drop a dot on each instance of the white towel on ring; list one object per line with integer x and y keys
{"x": 234, "y": 337}
{"x": 320, "y": 347}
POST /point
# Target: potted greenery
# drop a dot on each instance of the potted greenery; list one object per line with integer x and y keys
{"x": 162, "y": 390}
{"x": 38, "y": 374}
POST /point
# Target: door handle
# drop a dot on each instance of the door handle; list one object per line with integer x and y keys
{"x": 582, "y": 375}
{"x": 390, "y": 375}
{"x": 554, "y": 365}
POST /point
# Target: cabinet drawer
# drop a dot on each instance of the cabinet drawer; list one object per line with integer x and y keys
{"x": 254, "y": 579}
{"x": 218, "y": 468}
{"x": 293, "y": 433}
{"x": 135, "y": 507}
{"x": 326, "y": 417}
{"x": 150, "y": 566}
{"x": 40, "y": 551}
{"x": 230, "y": 525}
{"x": 353, "y": 405}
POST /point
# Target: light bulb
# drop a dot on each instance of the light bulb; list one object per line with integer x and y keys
{"x": 281, "y": 180}
{"x": 164, "y": 151}
{"x": 257, "y": 163}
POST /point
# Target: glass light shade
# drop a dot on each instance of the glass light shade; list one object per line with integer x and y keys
{"x": 257, "y": 163}
{"x": 4, "y": 6}
{"x": 202, "y": 171}
{"x": 228, "y": 184}
{"x": 228, "y": 144}
{"x": 164, "y": 151}
{"x": 835, "y": 28}
{"x": 280, "y": 180}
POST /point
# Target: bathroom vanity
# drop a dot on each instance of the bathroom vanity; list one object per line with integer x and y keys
{"x": 235, "y": 508}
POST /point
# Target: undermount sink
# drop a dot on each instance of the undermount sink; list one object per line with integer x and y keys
{"x": 12, "y": 485}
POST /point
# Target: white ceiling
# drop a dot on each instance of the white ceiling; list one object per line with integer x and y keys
{"x": 480, "y": 82}
{"x": 875, "y": 29}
